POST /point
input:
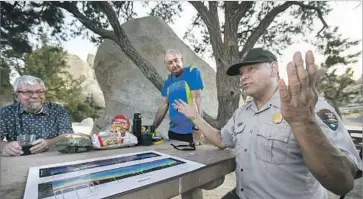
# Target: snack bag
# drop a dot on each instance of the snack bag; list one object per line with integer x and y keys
{"x": 116, "y": 136}
{"x": 120, "y": 125}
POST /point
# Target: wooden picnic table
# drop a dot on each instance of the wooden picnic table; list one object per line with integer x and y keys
{"x": 14, "y": 171}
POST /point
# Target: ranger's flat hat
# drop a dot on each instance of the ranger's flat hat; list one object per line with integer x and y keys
{"x": 254, "y": 56}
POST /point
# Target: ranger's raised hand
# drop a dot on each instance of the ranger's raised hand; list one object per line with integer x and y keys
{"x": 299, "y": 98}
{"x": 189, "y": 111}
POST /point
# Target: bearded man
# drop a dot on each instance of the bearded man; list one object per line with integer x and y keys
{"x": 31, "y": 114}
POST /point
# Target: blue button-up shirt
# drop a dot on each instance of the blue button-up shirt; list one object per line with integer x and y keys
{"x": 52, "y": 121}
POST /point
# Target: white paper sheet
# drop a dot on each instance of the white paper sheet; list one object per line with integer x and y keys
{"x": 102, "y": 177}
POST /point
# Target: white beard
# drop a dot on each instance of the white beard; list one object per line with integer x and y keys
{"x": 35, "y": 106}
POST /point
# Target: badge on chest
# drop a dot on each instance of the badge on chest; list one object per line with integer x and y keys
{"x": 277, "y": 118}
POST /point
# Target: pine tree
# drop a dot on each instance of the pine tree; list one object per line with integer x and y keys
{"x": 335, "y": 88}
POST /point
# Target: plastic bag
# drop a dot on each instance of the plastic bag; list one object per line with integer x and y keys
{"x": 106, "y": 140}
{"x": 74, "y": 143}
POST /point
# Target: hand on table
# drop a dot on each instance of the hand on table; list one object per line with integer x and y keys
{"x": 12, "y": 149}
{"x": 39, "y": 146}
{"x": 299, "y": 98}
{"x": 198, "y": 137}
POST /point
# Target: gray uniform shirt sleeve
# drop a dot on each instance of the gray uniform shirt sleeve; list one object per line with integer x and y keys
{"x": 228, "y": 131}
{"x": 227, "y": 134}
{"x": 340, "y": 137}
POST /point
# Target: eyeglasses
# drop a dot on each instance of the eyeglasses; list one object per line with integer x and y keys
{"x": 31, "y": 93}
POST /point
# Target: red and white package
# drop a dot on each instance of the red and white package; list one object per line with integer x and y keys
{"x": 117, "y": 136}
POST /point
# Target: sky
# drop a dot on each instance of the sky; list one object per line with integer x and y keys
{"x": 347, "y": 15}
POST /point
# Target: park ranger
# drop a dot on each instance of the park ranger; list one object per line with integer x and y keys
{"x": 288, "y": 142}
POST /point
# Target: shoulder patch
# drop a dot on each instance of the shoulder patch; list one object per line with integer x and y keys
{"x": 329, "y": 118}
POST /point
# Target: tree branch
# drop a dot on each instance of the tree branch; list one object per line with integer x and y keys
{"x": 242, "y": 9}
{"x": 72, "y": 8}
{"x": 122, "y": 40}
{"x": 320, "y": 13}
{"x": 264, "y": 24}
{"x": 202, "y": 10}
{"x": 213, "y": 7}
{"x": 190, "y": 30}
{"x": 230, "y": 29}
{"x": 211, "y": 20}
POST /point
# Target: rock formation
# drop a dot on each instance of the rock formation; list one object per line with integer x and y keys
{"x": 90, "y": 87}
{"x": 127, "y": 90}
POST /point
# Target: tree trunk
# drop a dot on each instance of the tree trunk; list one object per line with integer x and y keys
{"x": 4, "y": 80}
{"x": 228, "y": 91}
{"x": 5, "y": 87}
{"x": 336, "y": 108}
{"x": 228, "y": 94}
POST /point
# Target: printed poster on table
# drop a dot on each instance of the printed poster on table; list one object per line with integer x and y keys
{"x": 103, "y": 177}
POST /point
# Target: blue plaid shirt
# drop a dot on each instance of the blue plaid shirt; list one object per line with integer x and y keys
{"x": 52, "y": 121}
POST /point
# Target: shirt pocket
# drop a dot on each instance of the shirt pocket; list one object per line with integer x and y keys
{"x": 237, "y": 135}
{"x": 272, "y": 143}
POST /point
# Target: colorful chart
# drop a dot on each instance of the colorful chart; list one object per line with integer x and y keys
{"x": 88, "y": 165}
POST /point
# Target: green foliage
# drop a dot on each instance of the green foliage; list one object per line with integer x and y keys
{"x": 48, "y": 63}
{"x": 339, "y": 52}
{"x": 18, "y": 21}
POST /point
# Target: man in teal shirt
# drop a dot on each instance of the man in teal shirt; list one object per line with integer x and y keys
{"x": 182, "y": 83}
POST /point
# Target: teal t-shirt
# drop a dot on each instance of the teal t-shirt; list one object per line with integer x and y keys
{"x": 180, "y": 88}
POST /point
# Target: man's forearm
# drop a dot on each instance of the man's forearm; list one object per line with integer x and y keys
{"x": 212, "y": 134}
{"x": 160, "y": 114}
{"x": 197, "y": 102}
{"x": 327, "y": 163}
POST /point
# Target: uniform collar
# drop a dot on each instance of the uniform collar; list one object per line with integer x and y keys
{"x": 273, "y": 101}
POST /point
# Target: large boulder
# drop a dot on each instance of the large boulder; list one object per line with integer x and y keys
{"x": 90, "y": 87}
{"x": 127, "y": 90}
